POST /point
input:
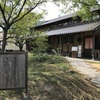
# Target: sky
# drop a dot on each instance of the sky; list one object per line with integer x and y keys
{"x": 53, "y": 11}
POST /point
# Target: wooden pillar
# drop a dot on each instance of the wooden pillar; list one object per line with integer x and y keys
{"x": 82, "y": 53}
{"x": 60, "y": 44}
{"x": 74, "y": 38}
{"x": 93, "y": 49}
{"x": 68, "y": 49}
{"x": 68, "y": 46}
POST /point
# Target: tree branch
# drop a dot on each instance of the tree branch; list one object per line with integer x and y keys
{"x": 13, "y": 7}
{"x": 4, "y": 5}
{"x": 16, "y": 37}
{"x": 16, "y": 4}
{"x": 3, "y": 15}
{"x": 1, "y": 26}
{"x": 39, "y": 2}
{"x": 19, "y": 11}
{"x": 13, "y": 43}
{"x": 10, "y": 14}
{"x": 85, "y": 3}
{"x": 24, "y": 42}
{"x": 18, "y": 44}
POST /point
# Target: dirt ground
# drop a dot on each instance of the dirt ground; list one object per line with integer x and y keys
{"x": 95, "y": 65}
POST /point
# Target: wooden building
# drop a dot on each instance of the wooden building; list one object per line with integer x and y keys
{"x": 73, "y": 37}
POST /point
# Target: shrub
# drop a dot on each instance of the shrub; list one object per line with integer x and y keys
{"x": 52, "y": 59}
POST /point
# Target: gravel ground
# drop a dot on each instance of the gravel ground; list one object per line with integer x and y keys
{"x": 85, "y": 68}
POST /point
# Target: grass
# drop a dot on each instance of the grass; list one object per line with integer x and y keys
{"x": 55, "y": 80}
{"x": 58, "y": 81}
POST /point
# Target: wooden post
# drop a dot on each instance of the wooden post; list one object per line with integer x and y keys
{"x": 68, "y": 46}
{"x": 93, "y": 49}
{"x": 82, "y": 45}
{"x": 60, "y": 44}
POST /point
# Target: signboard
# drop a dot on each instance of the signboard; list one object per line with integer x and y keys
{"x": 74, "y": 48}
{"x": 13, "y": 71}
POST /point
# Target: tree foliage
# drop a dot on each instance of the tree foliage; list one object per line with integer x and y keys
{"x": 84, "y": 7}
{"x": 38, "y": 42}
{"x": 20, "y": 31}
{"x": 12, "y": 11}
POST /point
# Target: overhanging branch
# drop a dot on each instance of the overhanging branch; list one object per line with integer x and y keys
{"x": 10, "y": 14}
{"x": 39, "y": 2}
{"x": 3, "y": 15}
{"x": 85, "y": 3}
{"x": 1, "y": 26}
{"x": 19, "y": 11}
{"x": 4, "y": 5}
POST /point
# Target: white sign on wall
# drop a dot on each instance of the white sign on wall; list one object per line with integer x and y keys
{"x": 74, "y": 48}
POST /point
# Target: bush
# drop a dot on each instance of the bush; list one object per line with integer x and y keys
{"x": 52, "y": 59}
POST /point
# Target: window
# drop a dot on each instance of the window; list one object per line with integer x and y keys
{"x": 88, "y": 43}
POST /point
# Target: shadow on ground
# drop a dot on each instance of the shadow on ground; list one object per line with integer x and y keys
{"x": 50, "y": 82}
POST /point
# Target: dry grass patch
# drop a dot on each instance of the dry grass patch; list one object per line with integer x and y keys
{"x": 95, "y": 65}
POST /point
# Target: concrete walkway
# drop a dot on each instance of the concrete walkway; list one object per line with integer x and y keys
{"x": 85, "y": 69}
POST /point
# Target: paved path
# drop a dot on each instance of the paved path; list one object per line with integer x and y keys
{"x": 86, "y": 69}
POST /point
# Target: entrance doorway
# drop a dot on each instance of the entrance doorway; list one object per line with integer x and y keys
{"x": 88, "y": 47}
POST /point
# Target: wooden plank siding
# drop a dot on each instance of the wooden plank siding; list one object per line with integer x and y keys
{"x": 13, "y": 70}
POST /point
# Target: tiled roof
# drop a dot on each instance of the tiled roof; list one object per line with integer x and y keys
{"x": 74, "y": 29}
{"x": 57, "y": 19}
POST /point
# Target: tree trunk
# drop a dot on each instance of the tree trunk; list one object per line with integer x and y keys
{"x": 4, "y": 40}
{"x": 21, "y": 48}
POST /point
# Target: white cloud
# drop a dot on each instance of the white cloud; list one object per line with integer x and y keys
{"x": 52, "y": 10}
